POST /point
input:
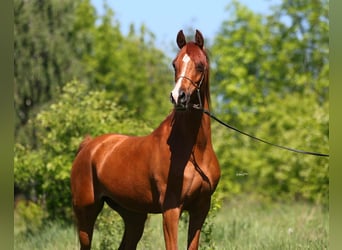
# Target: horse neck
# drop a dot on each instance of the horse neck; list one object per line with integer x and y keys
{"x": 192, "y": 126}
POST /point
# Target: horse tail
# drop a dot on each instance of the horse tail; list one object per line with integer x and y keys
{"x": 84, "y": 143}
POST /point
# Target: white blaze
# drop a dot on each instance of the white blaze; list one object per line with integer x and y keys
{"x": 176, "y": 89}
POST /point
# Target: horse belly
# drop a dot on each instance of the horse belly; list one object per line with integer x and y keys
{"x": 125, "y": 180}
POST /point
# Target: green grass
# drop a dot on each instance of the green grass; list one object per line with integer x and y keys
{"x": 240, "y": 224}
{"x": 243, "y": 225}
{"x": 51, "y": 237}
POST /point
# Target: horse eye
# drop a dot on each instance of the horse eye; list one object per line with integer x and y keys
{"x": 200, "y": 67}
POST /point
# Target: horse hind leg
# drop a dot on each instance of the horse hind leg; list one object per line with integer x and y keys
{"x": 134, "y": 229}
{"x": 86, "y": 217}
{"x": 134, "y": 226}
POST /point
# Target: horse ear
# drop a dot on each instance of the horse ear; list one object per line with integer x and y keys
{"x": 199, "y": 39}
{"x": 181, "y": 39}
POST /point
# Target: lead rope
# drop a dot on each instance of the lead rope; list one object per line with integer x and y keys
{"x": 207, "y": 112}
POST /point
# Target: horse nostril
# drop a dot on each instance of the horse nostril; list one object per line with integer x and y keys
{"x": 182, "y": 97}
{"x": 172, "y": 100}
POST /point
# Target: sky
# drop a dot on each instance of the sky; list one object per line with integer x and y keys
{"x": 165, "y": 18}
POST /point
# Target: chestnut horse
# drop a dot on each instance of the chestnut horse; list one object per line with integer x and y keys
{"x": 171, "y": 170}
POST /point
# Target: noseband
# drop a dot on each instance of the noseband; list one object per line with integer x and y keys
{"x": 196, "y": 84}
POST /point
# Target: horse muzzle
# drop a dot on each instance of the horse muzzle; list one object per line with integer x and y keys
{"x": 180, "y": 100}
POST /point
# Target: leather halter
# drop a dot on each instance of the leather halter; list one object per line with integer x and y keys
{"x": 196, "y": 84}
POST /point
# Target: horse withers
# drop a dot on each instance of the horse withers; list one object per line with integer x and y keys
{"x": 171, "y": 170}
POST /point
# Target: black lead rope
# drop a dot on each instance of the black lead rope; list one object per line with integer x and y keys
{"x": 207, "y": 112}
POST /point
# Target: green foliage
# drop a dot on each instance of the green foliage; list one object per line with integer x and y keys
{"x": 131, "y": 67}
{"x": 44, "y": 56}
{"x": 28, "y": 218}
{"x": 58, "y": 41}
{"x": 60, "y": 128}
{"x": 270, "y": 79}
{"x": 208, "y": 230}
{"x": 111, "y": 226}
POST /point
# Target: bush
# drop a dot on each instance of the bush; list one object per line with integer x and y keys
{"x": 28, "y": 218}
{"x": 44, "y": 169}
{"x": 110, "y": 228}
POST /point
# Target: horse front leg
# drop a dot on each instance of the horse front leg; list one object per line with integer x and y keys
{"x": 197, "y": 217}
{"x": 170, "y": 228}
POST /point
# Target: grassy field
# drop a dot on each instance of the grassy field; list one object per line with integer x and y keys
{"x": 240, "y": 224}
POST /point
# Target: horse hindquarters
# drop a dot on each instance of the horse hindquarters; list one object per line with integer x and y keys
{"x": 88, "y": 196}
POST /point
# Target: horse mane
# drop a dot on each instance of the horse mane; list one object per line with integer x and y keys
{"x": 207, "y": 77}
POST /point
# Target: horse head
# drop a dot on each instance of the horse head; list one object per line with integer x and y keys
{"x": 191, "y": 72}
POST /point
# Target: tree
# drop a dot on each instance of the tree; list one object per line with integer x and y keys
{"x": 271, "y": 79}
{"x": 58, "y": 41}
{"x": 130, "y": 68}
{"x": 45, "y": 56}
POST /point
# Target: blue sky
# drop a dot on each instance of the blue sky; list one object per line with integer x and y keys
{"x": 166, "y": 18}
